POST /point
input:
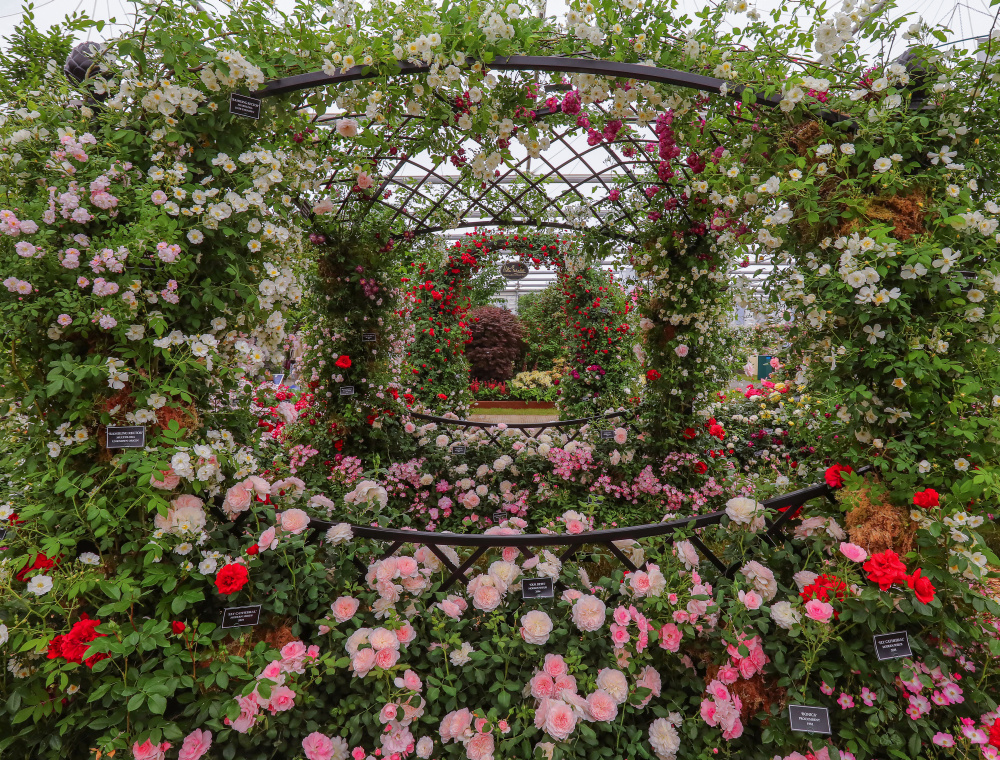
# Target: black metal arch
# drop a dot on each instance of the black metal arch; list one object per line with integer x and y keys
{"x": 513, "y": 208}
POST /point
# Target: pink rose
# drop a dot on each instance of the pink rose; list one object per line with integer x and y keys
{"x": 238, "y": 499}
{"x": 480, "y": 747}
{"x": 272, "y": 672}
{"x": 486, "y": 598}
{"x": 405, "y": 634}
{"x": 619, "y": 635}
{"x": 575, "y": 527}
{"x": 186, "y": 500}
{"x": 195, "y": 745}
{"x": 750, "y": 599}
{"x": 621, "y": 616}
{"x": 267, "y": 540}
{"x": 649, "y": 679}
{"x": 259, "y": 485}
{"x": 602, "y": 706}
{"x": 640, "y": 583}
{"x": 681, "y": 616}
{"x": 747, "y": 667}
{"x": 560, "y": 720}
{"x": 853, "y": 552}
{"x": 542, "y": 686}
{"x": 149, "y": 751}
{"x": 564, "y": 683}
{"x": 282, "y": 699}
{"x": 718, "y": 691}
{"x": 555, "y": 665}
{"x": 670, "y": 637}
{"x": 708, "y": 712}
{"x": 407, "y": 566}
{"x": 819, "y": 611}
{"x": 450, "y": 609}
{"x": 386, "y": 658}
{"x": 318, "y": 746}
{"x": 294, "y": 521}
{"x": 589, "y": 613}
{"x": 412, "y": 681}
{"x": 388, "y": 712}
{"x": 363, "y": 662}
{"x": 728, "y": 674}
{"x": 169, "y": 482}
{"x": 344, "y": 608}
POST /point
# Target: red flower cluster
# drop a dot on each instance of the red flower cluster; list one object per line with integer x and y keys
{"x": 41, "y": 563}
{"x": 231, "y": 578}
{"x": 927, "y": 498}
{"x": 344, "y": 362}
{"x": 886, "y": 569}
{"x": 715, "y": 429}
{"x": 71, "y": 646}
{"x": 834, "y": 475}
{"x": 826, "y": 588}
{"x": 700, "y": 467}
{"x": 690, "y": 433}
{"x": 995, "y": 733}
{"x": 178, "y": 627}
{"x": 652, "y": 375}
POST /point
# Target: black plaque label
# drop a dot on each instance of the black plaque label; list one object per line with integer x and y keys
{"x": 3, "y": 533}
{"x": 368, "y": 337}
{"x": 812, "y": 720}
{"x": 890, "y": 646}
{"x": 244, "y": 105}
{"x": 607, "y": 435}
{"x": 278, "y": 379}
{"x": 498, "y": 517}
{"x": 237, "y": 617}
{"x": 602, "y": 311}
{"x": 126, "y": 436}
{"x": 347, "y": 390}
{"x": 537, "y": 588}
{"x": 460, "y": 449}
{"x": 514, "y": 270}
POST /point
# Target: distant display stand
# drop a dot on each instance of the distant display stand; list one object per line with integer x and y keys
{"x": 764, "y": 367}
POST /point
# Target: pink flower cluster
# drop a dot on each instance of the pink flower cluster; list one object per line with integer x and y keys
{"x": 294, "y": 657}
{"x": 722, "y": 707}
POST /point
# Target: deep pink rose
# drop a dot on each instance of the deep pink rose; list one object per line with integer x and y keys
{"x": 149, "y": 751}
{"x": 195, "y": 745}
{"x": 318, "y": 746}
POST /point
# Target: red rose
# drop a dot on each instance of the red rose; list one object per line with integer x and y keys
{"x": 833, "y": 475}
{"x": 717, "y": 431}
{"x": 690, "y": 433}
{"x": 885, "y": 569}
{"x": 700, "y": 467}
{"x": 652, "y": 375}
{"x": 41, "y": 563}
{"x": 442, "y": 396}
{"x": 253, "y": 549}
{"x": 177, "y": 627}
{"x": 343, "y": 362}
{"x": 231, "y": 578}
{"x": 922, "y": 587}
{"x": 71, "y": 646}
{"x": 995, "y": 733}
{"x": 927, "y": 498}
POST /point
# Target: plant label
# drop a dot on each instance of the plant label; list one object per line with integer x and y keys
{"x": 237, "y": 617}
{"x": 244, "y": 105}
{"x": 812, "y": 720}
{"x": 607, "y": 435}
{"x": 277, "y": 379}
{"x": 3, "y": 533}
{"x": 460, "y": 449}
{"x": 514, "y": 270}
{"x": 126, "y": 436}
{"x": 347, "y": 390}
{"x": 537, "y": 588}
{"x": 368, "y": 337}
{"x": 499, "y": 517}
{"x": 890, "y": 646}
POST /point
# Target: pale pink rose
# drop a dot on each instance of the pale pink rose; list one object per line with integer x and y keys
{"x": 292, "y": 652}
{"x": 169, "y": 481}
{"x": 853, "y": 552}
{"x": 363, "y": 662}
{"x": 728, "y": 674}
{"x": 294, "y": 521}
{"x": 325, "y": 206}
{"x": 750, "y": 599}
{"x": 670, "y": 637}
{"x": 542, "y": 686}
{"x": 486, "y": 598}
{"x": 621, "y": 616}
{"x": 383, "y": 638}
{"x": 243, "y": 723}
{"x": 571, "y": 595}
{"x": 455, "y": 724}
{"x": 149, "y": 751}
{"x": 717, "y": 690}
{"x": 480, "y": 747}
{"x": 536, "y": 627}
{"x": 708, "y": 710}
{"x": 272, "y": 672}
{"x": 238, "y": 499}
{"x": 575, "y": 527}
{"x": 601, "y": 706}
{"x": 344, "y": 608}
{"x": 318, "y": 746}
{"x": 450, "y": 609}
{"x": 405, "y": 634}
{"x": 589, "y": 613}
{"x": 614, "y": 683}
{"x": 196, "y": 744}
{"x": 388, "y": 712}
{"x": 560, "y": 720}
{"x": 186, "y": 501}
{"x": 510, "y": 553}
{"x": 555, "y": 665}
{"x": 347, "y": 127}
{"x": 412, "y": 681}
{"x": 282, "y": 699}
{"x": 649, "y": 679}
{"x": 267, "y": 540}
{"x": 407, "y": 566}
{"x": 564, "y": 683}
{"x": 640, "y": 583}
{"x": 621, "y": 435}
{"x": 819, "y": 611}
{"x": 681, "y": 616}
{"x": 681, "y": 350}
{"x": 259, "y": 485}
{"x": 365, "y": 181}
{"x": 386, "y": 658}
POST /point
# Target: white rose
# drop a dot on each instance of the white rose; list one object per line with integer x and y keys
{"x": 784, "y": 615}
{"x": 742, "y": 510}
{"x": 4, "y": 636}
{"x": 40, "y": 585}
{"x": 339, "y": 534}
{"x": 536, "y": 627}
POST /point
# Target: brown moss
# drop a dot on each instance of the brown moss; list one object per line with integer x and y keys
{"x": 904, "y": 212}
{"x": 878, "y": 525}
{"x": 186, "y": 417}
{"x": 804, "y": 136}
{"x": 276, "y": 634}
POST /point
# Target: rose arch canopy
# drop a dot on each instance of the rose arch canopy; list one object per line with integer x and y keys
{"x": 426, "y": 191}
